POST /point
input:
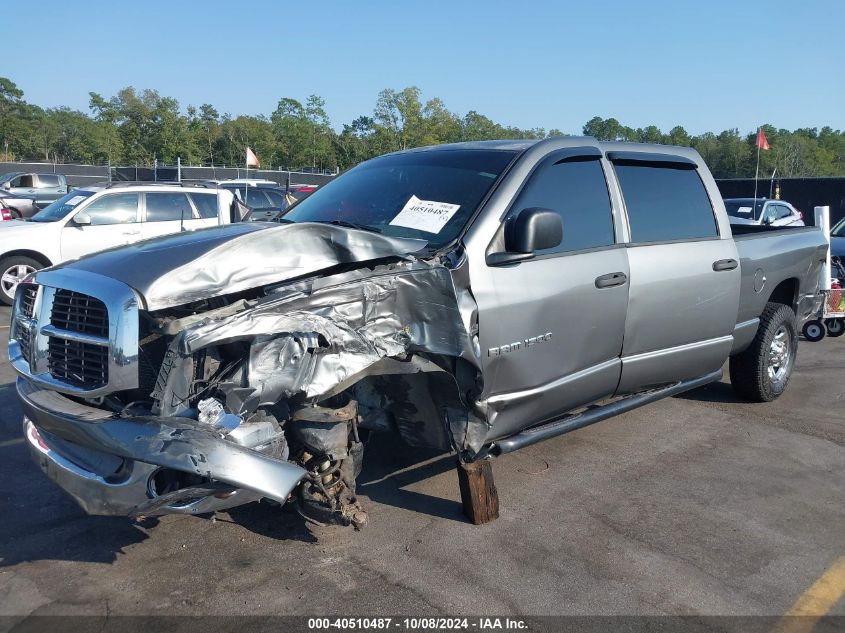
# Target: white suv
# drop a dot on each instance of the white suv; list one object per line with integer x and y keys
{"x": 92, "y": 219}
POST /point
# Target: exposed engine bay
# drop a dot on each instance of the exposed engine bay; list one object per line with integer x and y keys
{"x": 304, "y": 372}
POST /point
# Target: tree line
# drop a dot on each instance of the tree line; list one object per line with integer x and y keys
{"x": 140, "y": 127}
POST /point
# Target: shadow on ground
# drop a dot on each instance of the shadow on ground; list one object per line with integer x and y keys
{"x": 42, "y": 523}
{"x": 714, "y": 392}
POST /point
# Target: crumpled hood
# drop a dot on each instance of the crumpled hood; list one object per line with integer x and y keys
{"x": 178, "y": 269}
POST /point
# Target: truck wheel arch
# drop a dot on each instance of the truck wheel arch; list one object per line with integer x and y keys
{"x": 786, "y": 293}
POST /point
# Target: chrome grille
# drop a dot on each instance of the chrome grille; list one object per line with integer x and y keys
{"x": 76, "y": 332}
{"x": 77, "y": 363}
{"x": 76, "y": 312}
{"x": 28, "y": 295}
{"x": 24, "y": 338}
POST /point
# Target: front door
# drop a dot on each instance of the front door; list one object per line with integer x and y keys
{"x": 23, "y": 186}
{"x": 550, "y": 328}
{"x": 114, "y": 222}
{"x": 684, "y": 287}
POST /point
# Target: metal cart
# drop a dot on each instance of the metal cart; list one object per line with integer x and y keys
{"x": 830, "y": 320}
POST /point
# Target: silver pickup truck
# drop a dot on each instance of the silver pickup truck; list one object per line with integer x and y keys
{"x": 476, "y": 298}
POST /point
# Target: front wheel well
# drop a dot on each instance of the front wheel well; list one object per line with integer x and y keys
{"x": 786, "y": 293}
{"x": 22, "y": 252}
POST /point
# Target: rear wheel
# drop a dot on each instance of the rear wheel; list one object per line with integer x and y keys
{"x": 12, "y": 272}
{"x": 813, "y": 331}
{"x": 835, "y": 327}
{"x": 762, "y": 371}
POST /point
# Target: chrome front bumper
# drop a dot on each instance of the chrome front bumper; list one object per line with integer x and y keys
{"x": 106, "y": 463}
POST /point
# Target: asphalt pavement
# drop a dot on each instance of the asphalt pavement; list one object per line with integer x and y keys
{"x": 698, "y": 504}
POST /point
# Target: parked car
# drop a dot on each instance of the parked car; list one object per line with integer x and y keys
{"x": 477, "y": 297}
{"x": 91, "y": 219}
{"x": 43, "y": 188}
{"x": 763, "y": 212}
{"x": 16, "y": 208}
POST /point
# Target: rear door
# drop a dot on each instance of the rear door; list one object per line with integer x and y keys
{"x": 49, "y": 188}
{"x": 685, "y": 277}
{"x": 167, "y": 212}
{"x": 550, "y": 328}
{"x": 114, "y": 222}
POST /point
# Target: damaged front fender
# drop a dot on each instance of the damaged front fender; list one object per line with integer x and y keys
{"x": 311, "y": 340}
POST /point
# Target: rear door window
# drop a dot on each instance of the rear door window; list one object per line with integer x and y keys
{"x": 665, "y": 203}
{"x": 115, "y": 208}
{"x": 48, "y": 180}
{"x": 255, "y": 199}
{"x": 206, "y": 204}
{"x": 168, "y": 207}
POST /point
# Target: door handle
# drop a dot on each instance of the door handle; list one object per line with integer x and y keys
{"x": 725, "y": 264}
{"x": 610, "y": 280}
{"x": 132, "y": 233}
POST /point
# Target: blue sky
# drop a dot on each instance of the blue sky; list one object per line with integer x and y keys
{"x": 706, "y": 65}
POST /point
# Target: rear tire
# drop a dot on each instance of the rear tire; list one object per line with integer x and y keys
{"x": 12, "y": 271}
{"x": 813, "y": 331}
{"x": 762, "y": 371}
{"x": 835, "y": 327}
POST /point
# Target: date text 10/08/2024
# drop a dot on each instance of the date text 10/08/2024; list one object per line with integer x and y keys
{"x": 417, "y": 624}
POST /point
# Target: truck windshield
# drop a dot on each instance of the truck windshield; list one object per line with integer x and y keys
{"x": 744, "y": 209}
{"x": 428, "y": 195}
{"x": 57, "y": 210}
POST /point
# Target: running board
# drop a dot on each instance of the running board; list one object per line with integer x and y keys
{"x": 597, "y": 414}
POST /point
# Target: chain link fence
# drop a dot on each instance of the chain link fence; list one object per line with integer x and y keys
{"x": 81, "y": 175}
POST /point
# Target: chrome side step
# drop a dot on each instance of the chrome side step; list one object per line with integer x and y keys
{"x": 597, "y": 414}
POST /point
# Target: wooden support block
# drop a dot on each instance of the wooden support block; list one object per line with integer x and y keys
{"x": 478, "y": 492}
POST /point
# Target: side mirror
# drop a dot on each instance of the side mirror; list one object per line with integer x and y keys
{"x": 531, "y": 230}
{"x": 6, "y": 185}
{"x": 82, "y": 219}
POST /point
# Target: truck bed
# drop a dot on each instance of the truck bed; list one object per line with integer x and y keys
{"x": 782, "y": 261}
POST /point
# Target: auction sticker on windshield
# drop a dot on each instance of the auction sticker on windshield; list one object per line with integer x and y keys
{"x": 425, "y": 215}
{"x": 75, "y": 201}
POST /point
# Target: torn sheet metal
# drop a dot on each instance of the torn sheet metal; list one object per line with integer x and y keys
{"x": 313, "y": 342}
{"x": 317, "y": 338}
{"x": 179, "y": 269}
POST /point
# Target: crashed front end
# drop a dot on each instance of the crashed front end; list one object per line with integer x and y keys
{"x": 137, "y": 404}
